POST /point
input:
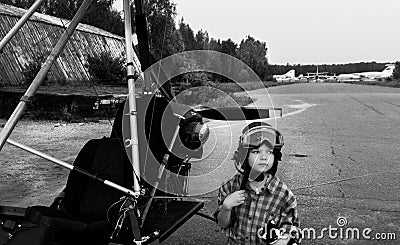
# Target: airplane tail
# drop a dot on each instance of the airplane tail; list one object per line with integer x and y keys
{"x": 290, "y": 74}
{"x": 389, "y": 70}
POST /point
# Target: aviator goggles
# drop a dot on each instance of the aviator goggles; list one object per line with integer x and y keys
{"x": 255, "y": 136}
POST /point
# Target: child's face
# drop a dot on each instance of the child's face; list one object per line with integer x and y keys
{"x": 261, "y": 159}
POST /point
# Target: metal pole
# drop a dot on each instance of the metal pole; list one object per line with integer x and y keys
{"x": 12, "y": 121}
{"x": 20, "y": 23}
{"x": 71, "y": 167}
{"x": 132, "y": 96}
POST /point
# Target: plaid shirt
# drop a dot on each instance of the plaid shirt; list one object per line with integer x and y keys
{"x": 274, "y": 202}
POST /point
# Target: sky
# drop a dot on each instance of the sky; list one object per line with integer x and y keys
{"x": 302, "y": 31}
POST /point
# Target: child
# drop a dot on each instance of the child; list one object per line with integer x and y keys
{"x": 254, "y": 201}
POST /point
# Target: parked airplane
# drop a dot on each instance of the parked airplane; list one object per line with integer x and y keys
{"x": 318, "y": 76}
{"x": 310, "y": 77}
{"x": 376, "y": 75}
{"x": 288, "y": 76}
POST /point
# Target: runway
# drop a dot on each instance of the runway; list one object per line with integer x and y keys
{"x": 340, "y": 158}
{"x": 340, "y": 155}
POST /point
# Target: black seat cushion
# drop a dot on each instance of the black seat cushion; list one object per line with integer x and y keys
{"x": 89, "y": 200}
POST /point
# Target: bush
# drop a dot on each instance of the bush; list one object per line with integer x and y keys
{"x": 105, "y": 69}
{"x": 32, "y": 69}
{"x": 396, "y": 72}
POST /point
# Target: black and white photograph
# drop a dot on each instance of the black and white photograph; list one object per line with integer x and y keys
{"x": 129, "y": 122}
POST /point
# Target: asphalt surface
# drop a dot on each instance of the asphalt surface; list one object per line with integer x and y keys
{"x": 340, "y": 158}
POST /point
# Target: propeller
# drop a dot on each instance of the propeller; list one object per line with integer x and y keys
{"x": 238, "y": 113}
{"x": 229, "y": 113}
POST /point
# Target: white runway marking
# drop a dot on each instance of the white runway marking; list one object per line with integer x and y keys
{"x": 301, "y": 108}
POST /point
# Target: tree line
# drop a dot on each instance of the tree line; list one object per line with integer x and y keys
{"x": 167, "y": 38}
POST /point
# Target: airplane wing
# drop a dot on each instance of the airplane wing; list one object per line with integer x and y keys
{"x": 327, "y": 77}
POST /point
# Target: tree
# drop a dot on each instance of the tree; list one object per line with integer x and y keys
{"x": 254, "y": 54}
{"x": 396, "y": 72}
{"x": 25, "y": 4}
{"x": 202, "y": 40}
{"x": 187, "y": 36}
{"x": 215, "y": 45}
{"x": 229, "y": 47}
{"x": 164, "y": 38}
{"x": 102, "y": 15}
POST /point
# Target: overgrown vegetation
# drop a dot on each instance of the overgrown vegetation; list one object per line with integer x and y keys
{"x": 385, "y": 83}
{"x": 211, "y": 96}
{"x": 33, "y": 67}
{"x": 396, "y": 72}
{"x": 222, "y": 94}
{"x": 106, "y": 69}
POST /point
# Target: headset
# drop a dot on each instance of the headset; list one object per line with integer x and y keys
{"x": 253, "y": 135}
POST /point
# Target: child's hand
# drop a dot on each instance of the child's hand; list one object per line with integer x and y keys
{"x": 234, "y": 199}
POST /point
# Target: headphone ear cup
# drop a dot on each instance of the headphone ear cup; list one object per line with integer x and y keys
{"x": 235, "y": 156}
{"x": 238, "y": 164}
{"x": 278, "y": 154}
{"x": 240, "y": 157}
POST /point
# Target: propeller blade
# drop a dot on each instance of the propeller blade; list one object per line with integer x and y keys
{"x": 229, "y": 113}
{"x": 239, "y": 113}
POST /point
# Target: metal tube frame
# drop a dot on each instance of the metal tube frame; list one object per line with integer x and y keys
{"x": 132, "y": 97}
{"x": 20, "y": 23}
{"x": 30, "y": 92}
{"x": 71, "y": 167}
{"x": 19, "y": 110}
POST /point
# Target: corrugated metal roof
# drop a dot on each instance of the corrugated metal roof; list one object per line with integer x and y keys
{"x": 39, "y": 35}
{"x": 14, "y": 11}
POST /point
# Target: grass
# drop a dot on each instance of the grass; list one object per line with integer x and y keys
{"x": 241, "y": 87}
{"x": 223, "y": 94}
{"x": 391, "y": 83}
{"x": 83, "y": 90}
{"x": 214, "y": 95}
{"x": 231, "y": 95}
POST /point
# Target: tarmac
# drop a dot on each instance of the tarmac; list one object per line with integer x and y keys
{"x": 340, "y": 159}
